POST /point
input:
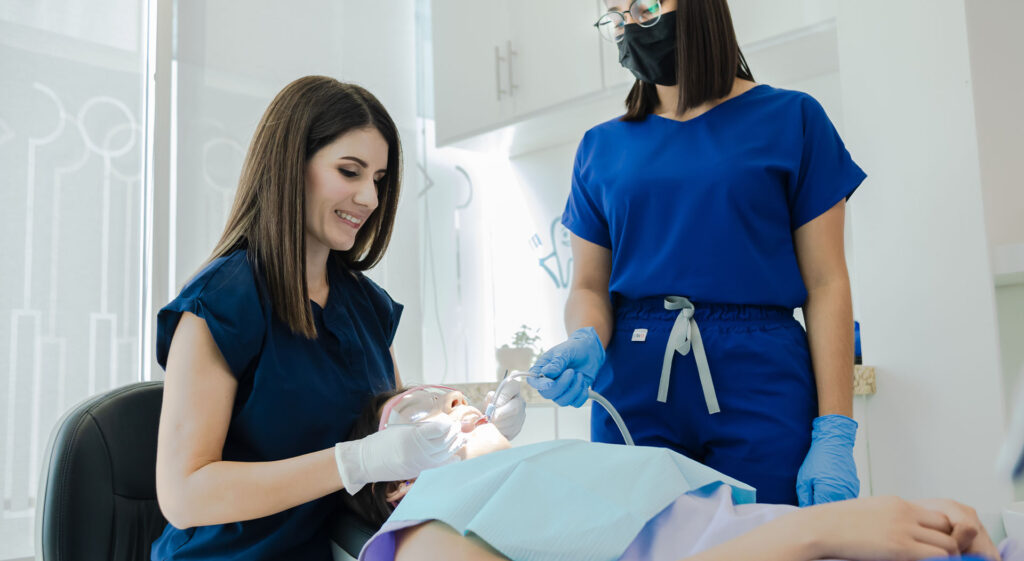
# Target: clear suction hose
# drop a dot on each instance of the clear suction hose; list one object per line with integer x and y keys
{"x": 598, "y": 398}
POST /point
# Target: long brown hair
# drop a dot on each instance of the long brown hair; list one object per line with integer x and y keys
{"x": 708, "y": 60}
{"x": 268, "y": 215}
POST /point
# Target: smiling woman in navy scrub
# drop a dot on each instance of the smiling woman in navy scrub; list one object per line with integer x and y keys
{"x": 700, "y": 220}
{"x": 273, "y": 348}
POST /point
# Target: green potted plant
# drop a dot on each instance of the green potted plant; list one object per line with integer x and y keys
{"x": 521, "y": 353}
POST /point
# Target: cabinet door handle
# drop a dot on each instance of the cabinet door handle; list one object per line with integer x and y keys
{"x": 512, "y": 87}
{"x": 497, "y": 71}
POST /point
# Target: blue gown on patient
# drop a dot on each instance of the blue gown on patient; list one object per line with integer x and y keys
{"x": 564, "y": 499}
{"x": 571, "y": 500}
{"x": 295, "y": 395}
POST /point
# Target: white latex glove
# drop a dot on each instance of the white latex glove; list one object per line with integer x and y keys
{"x": 397, "y": 453}
{"x": 509, "y": 410}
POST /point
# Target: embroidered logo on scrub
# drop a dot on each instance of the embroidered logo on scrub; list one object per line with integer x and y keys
{"x": 639, "y": 335}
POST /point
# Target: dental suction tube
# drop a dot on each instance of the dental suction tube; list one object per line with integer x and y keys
{"x": 598, "y": 398}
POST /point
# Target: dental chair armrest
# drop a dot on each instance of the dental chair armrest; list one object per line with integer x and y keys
{"x": 348, "y": 531}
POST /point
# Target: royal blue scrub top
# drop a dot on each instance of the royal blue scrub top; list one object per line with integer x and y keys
{"x": 295, "y": 395}
{"x": 706, "y": 208}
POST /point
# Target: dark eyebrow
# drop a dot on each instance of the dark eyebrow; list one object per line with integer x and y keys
{"x": 354, "y": 159}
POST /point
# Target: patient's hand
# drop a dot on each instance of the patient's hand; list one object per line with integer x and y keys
{"x": 968, "y": 531}
{"x": 880, "y": 528}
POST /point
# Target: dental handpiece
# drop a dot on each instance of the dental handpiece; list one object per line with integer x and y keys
{"x": 489, "y": 412}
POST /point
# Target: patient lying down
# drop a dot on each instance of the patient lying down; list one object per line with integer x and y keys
{"x": 523, "y": 520}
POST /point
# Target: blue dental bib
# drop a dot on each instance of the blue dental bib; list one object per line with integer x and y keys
{"x": 564, "y": 499}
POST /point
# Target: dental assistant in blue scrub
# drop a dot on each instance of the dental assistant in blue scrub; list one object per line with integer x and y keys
{"x": 701, "y": 219}
{"x": 273, "y": 348}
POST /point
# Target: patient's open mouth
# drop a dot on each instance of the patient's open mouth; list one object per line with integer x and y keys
{"x": 472, "y": 420}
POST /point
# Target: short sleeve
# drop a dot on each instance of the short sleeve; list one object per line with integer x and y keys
{"x": 583, "y": 215}
{"x": 388, "y": 312}
{"x": 225, "y": 295}
{"x": 827, "y": 174}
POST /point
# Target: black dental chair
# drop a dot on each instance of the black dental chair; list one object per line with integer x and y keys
{"x": 348, "y": 533}
{"x": 97, "y": 498}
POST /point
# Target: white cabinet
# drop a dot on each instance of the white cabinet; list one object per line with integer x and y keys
{"x": 471, "y": 71}
{"x": 558, "y": 56}
{"x": 515, "y": 59}
{"x": 757, "y": 20}
{"x": 507, "y": 61}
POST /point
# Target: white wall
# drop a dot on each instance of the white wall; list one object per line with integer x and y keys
{"x": 544, "y": 179}
{"x": 996, "y": 49}
{"x": 757, "y": 20}
{"x": 457, "y": 276}
{"x": 387, "y": 68}
{"x": 923, "y": 285}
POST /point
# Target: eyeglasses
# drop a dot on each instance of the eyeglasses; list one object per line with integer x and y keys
{"x": 417, "y": 403}
{"x": 644, "y": 12}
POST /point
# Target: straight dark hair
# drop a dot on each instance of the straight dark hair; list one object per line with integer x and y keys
{"x": 708, "y": 60}
{"x": 268, "y": 215}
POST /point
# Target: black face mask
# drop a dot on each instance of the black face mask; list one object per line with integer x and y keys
{"x": 650, "y": 52}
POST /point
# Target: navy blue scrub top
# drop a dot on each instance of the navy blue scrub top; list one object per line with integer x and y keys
{"x": 295, "y": 395}
{"x": 706, "y": 208}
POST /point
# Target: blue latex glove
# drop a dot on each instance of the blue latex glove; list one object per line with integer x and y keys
{"x": 568, "y": 369}
{"x": 828, "y": 473}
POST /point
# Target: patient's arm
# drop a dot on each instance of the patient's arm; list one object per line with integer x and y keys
{"x": 778, "y": 540}
{"x": 873, "y": 528}
{"x": 432, "y": 541}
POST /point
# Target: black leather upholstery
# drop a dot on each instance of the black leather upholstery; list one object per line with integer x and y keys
{"x": 98, "y": 499}
{"x": 349, "y": 531}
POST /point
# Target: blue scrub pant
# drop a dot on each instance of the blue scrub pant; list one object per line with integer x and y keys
{"x": 761, "y": 368}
